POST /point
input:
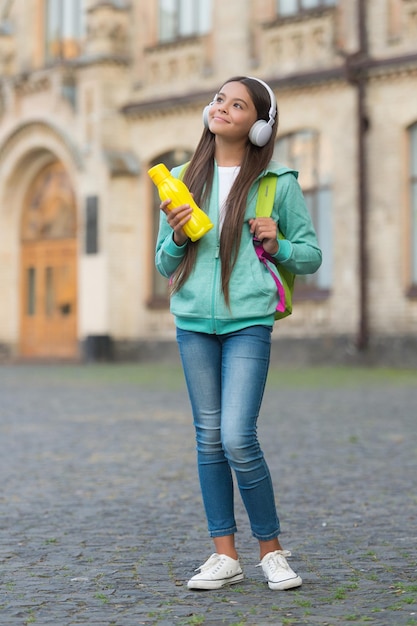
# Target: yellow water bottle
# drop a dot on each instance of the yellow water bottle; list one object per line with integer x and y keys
{"x": 174, "y": 189}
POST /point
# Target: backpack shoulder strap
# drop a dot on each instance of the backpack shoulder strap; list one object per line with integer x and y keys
{"x": 285, "y": 285}
{"x": 266, "y": 195}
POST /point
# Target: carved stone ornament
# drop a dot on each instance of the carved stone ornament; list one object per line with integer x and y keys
{"x": 107, "y": 28}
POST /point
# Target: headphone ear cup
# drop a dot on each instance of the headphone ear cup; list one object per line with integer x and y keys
{"x": 206, "y": 116}
{"x": 260, "y": 133}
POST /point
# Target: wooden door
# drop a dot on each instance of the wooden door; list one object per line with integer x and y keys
{"x": 48, "y": 326}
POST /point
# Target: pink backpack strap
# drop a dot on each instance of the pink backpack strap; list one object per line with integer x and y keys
{"x": 264, "y": 257}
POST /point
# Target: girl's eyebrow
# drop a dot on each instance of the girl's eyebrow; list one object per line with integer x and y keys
{"x": 221, "y": 93}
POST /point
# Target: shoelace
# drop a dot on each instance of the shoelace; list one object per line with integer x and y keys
{"x": 277, "y": 556}
{"x": 211, "y": 562}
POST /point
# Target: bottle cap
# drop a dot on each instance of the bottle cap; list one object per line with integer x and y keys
{"x": 158, "y": 173}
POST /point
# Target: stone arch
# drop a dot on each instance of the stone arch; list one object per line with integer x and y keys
{"x": 44, "y": 134}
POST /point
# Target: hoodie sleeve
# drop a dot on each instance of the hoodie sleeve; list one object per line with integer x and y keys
{"x": 299, "y": 251}
{"x": 167, "y": 254}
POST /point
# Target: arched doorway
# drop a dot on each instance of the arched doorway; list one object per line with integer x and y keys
{"x": 48, "y": 319}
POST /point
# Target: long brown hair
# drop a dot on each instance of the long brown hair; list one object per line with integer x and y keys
{"x": 199, "y": 179}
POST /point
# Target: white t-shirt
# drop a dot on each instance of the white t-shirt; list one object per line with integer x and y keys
{"x": 227, "y": 176}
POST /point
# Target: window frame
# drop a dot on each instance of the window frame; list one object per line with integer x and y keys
{"x": 188, "y": 19}
{"x": 63, "y": 38}
{"x": 301, "y": 6}
{"x": 319, "y": 202}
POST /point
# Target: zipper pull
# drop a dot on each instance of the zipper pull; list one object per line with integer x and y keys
{"x": 216, "y": 256}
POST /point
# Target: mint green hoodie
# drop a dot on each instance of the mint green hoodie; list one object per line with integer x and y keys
{"x": 199, "y": 305}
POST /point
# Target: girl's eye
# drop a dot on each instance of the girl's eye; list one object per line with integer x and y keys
{"x": 239, "y": 106}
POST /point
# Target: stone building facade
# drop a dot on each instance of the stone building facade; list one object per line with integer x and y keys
{"x": 93, "y": 93}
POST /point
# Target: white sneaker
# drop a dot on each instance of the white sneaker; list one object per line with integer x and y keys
{"x": 217, "y": 571}
{"x": 277, "y": 571}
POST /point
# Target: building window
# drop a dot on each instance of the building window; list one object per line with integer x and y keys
{"x": 91, "y": 225}
{"x": 413, "y": 202}
{"x": 31, "y": 292}
{"x": 64, "y": 28}
{"x": 49, "y": 291}
{"x": 183, "y": 18}
{"x": 300, "y": 151}
{"x": 160, "y": 291}
{"x": 292, "y": 7}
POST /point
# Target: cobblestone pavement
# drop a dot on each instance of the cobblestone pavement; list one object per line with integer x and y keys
{"x": 101, "y": 518}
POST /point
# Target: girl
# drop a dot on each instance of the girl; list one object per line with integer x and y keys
{"x": 224, "y": 301}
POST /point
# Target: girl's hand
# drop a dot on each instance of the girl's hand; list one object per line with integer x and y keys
{"x": 266, "y": 231}
{"x": 176, "y": 218}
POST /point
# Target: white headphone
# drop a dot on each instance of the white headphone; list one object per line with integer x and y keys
{"x": 261, "y": 131}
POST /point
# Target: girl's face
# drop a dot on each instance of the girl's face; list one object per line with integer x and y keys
{"x": 232, "y": 114}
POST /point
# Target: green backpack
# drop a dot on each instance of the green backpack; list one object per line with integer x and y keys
{"x": 285, "y": 286}
{"x": 285, "y": 281}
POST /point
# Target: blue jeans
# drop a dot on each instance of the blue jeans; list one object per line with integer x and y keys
{"x": 225, "y": 376}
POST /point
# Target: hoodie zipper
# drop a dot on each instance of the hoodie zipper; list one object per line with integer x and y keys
{"x": 214, "y": 287}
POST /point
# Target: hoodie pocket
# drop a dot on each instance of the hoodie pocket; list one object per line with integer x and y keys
{"x": 253, "y": 292}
